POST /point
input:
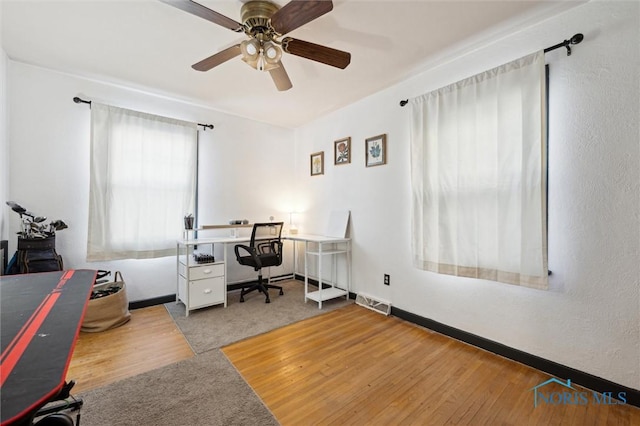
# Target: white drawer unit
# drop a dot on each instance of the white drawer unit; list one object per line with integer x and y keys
{"x": 200, "y": 272}
{"x": 205, "y": 292}
{"x": 199, "y": 284}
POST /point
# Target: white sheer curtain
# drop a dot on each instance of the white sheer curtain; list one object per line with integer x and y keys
{"x": 478, "y": 175}
{"x": 143, "y": 179}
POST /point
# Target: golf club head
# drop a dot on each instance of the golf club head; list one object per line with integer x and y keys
{"x": 29, "y": 214}
{"x": 16, "y": 207}
{"x": 59, "y": 225}
{"x": 39, "y": 219}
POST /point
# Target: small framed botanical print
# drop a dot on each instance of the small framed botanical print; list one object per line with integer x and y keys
{"x": 376, "y": 147}
{"x": 342, "y": 151}
{"x": 317, "y": 163}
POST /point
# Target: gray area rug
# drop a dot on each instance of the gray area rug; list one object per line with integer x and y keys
{"x": 206, "y": 389}
{"x": 203, "y": 390}
{"x": 217, "y": 326}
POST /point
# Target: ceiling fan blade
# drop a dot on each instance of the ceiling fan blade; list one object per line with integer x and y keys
{"x": 315, "y": 52}
{"x": 206, "y": 13}
{"x": 218, "y": 58}
{"x": 281, "y": 78}
{"x": 296, "y": 13}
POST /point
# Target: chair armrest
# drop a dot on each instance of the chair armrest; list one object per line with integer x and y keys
{"x": 277, "y": 247}
{"x": 250, "y": 251}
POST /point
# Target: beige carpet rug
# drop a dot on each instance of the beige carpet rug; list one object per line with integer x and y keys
{"x": 203, "y": 390}
{"x": 216, "y": 326}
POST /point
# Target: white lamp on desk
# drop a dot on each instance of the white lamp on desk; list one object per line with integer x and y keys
{"x": 293, "y": 229}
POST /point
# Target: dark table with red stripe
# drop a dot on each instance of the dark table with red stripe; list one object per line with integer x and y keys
{"x": 40, "y": 316}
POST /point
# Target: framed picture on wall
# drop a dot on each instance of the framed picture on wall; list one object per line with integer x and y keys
{"x": 317, "y": 163}
{"x": 376, "y": 147}
{"x": 342, "y": 151}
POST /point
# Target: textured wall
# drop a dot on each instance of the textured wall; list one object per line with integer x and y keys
{"x": 590, "y": 317}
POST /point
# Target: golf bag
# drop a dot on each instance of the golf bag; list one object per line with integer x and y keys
{"x": 36, "y": 243}
{"x": 36, "y": 255}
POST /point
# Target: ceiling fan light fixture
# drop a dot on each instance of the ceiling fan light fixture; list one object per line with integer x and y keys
{"x": 250, "y": 50}
{"x": 272, "y": 53}
{"x": 261, "y": 56}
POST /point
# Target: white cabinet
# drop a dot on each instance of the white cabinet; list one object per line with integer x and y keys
{"x": 199, "y": 284}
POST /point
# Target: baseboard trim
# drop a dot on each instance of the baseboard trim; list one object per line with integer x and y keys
{"x": 160, "y": 300}
{"x": 578, "y": 377}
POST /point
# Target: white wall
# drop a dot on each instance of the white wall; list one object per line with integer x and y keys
{"x": 4, "y": 162}
{"x": 590, "y": 318}
{"x": 4, "y": 149}
{"x": 245, "y": 166}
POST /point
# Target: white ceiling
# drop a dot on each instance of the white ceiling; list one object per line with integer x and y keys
{"x": 150, "y": 45}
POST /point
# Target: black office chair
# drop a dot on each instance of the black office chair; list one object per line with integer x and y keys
{"x": 264, "y": 250}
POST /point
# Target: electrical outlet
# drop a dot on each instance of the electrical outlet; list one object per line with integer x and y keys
{"x": 387, "y": 279}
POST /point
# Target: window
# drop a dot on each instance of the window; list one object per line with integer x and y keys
{"x": 143, "y": 182}
{"x": 478, "y": 173}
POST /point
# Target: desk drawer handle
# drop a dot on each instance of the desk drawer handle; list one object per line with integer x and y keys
{"x": 207, "y": 271}
{"x": 207, "y": 291}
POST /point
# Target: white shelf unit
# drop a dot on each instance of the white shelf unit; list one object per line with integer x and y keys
{"x": 199, "y": 284}
{"x": 327, "y": 248}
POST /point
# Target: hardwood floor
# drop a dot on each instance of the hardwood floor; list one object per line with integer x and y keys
{"x": 149, "y": 340}
{"x": 354, "y": 366}
{"x": 351, "y": 366}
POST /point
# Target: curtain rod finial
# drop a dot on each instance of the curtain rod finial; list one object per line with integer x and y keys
{"x": 80, "y": 101}
{"x": 577, "y": 38}
{"x": 404, "y": 102}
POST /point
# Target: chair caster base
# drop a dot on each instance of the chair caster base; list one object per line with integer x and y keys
{"x": 281, "y": 292}
{"x": 267, "y": 301}
{"x": 242, "y": 300}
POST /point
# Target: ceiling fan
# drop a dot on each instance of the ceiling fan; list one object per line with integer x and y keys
{"x": 265, "y": 23}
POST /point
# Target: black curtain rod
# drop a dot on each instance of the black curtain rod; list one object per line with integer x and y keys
{"x": 82, "y": 101}
{"x": 576, "y": 39}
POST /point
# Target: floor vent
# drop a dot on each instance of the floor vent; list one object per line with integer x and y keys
{"x": 373, "y": 303}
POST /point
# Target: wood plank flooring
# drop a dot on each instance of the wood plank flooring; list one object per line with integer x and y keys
{"x": 354, "y": 366}
{"x": 149, "y": 340}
